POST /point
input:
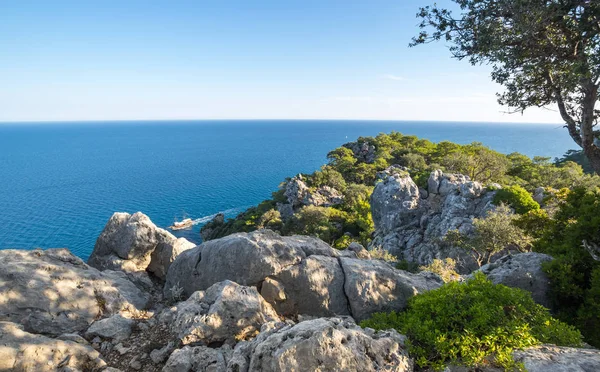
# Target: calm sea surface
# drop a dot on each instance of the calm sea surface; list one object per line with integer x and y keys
{"x": 59, "y": 183}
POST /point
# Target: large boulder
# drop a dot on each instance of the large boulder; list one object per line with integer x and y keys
{"x": 132, "y": 243}
{"x": 26, "y": 352}
{"x": 321, "y": 344}
{"x": 245, "y": 258}
{"x": 116, "y": 328}
{"x": 411, "y": 223}
{"x": 363, "y": 151}
{"x": 296, "y": 275}
{"x": 54, "y": 292}
{"x": 550, "y": 358}
{"x": 522, "y": 270}
{"x": 374, "y": 286}
{"x": 225, "y": 312}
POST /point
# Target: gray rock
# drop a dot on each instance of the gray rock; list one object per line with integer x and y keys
{"x": 245, "y": 258}
{"x": 324, "y": 196}
{"x": 54, "y": 292}
{"x": 315, "y": 286}
{"x": 296, "y": 191}
{"x": 550, "y": 358}
{"x": 116, "y": 328}
{"x": 199, "y": 358}
{"x": 225, "y": 312}
{"x": 321, "y": 345}
{"x": 272, "y": 291}
{"x": 359, "y": 251}
{"x": 159, "y": 355}
{"x": 412, "y": 226}
{"x": 132, "y": 243}
{"x": 364, "y": 152}
{"x": 539, "y": 195}
{"x": 522, "y": 270}
{"x": 374, "y": 286}
{"x": 23, "y": 351}
{"x": 74, "y": 337}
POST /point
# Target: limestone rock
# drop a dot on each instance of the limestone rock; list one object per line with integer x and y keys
{"x": 550, "y": 358}
{"x": 321, "y": 344}
{"x": 225, "y": 312}
{"x": 412, "y": 225}
{"x": 324, "y": 196}
{"x": 27, "y": 352}
{"x": 116, "y": 328}
{"x": 199, "y": 358}
{"x": 364, "y": 152}
{"x": 245, "y": 258}
{"x": 374, "y": 286}
{"x": 54, "y": 292}
{"x": 522, "y": 270}
{"x": 296, "y": 191}
{"x": 359, "y": 251}
{"x": 315, "y": 286}
{"x": 133, "y": 243}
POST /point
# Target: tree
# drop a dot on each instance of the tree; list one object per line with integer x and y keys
{"x": 492, "y": 234}
{"x": 542, "y": 51}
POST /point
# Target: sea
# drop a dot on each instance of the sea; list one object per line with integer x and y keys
{"x": 61, "y": 182}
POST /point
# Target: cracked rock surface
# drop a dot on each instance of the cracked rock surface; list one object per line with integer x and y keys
{"x": 297, "y": 275}
{"x": 410, "y": 222}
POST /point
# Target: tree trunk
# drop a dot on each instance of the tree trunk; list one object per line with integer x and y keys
{"x": 586, "y": 129}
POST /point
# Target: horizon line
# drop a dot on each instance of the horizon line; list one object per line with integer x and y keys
{"x": 108, "y": 121}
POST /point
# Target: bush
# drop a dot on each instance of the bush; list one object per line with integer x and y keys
{"x": 574, "y": 274}
{"x": 445, "y": 268}
{"x": 517, "y": 197}
{"x": 381, "y": 254}
{"x": 492, "y": 234}
{"x": 473, "y": 323}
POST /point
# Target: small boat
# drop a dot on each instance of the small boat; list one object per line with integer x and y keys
{"x": 182, "y": 224}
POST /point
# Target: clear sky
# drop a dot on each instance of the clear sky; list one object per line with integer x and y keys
{"x": 246, "y": 59}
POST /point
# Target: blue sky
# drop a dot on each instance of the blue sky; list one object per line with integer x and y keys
{"x": 327, "y": 59}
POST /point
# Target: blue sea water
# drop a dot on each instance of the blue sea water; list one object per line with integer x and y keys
{"x": 60, "y": 182}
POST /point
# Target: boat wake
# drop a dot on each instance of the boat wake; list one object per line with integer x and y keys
{"x": 226, "y": 212}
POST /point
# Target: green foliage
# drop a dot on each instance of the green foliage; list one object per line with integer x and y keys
{"x": 323, "y": 222}
{"x": 411, "y": 267}
{"x": 445, "y": 268}
{"x": 473, "y": 323}
{"x": 492, "y": 234}
{"x": 328, "y": 176}
{"x": 517, "y": 197}
{"x": 378, "y": 253}
{"x": 574, "y": 273}
{"x": 541, "y": 52}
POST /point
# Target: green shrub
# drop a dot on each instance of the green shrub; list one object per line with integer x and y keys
{"x": 492, "y": 234}
{"x": 409, "y": 266}
{"x": 445, "y": 268}
{"x": 381, "y": 254}
{"x": 473, "y": 323}
{"x": 574, "y": 274}
{"x": 517, "y": 197}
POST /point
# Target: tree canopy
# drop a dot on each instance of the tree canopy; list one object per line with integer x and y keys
{"x": 542, "y": 52}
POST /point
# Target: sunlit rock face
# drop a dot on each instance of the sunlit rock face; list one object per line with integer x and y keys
{"x": 54, "y": 292}
{"x": 133, "y": 243}
{"x": 411, "y": 222}
{"x": 297, "y": 275}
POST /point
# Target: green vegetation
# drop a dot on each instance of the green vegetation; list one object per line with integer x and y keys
{"x": 481, "y": 324}
{"x": 517, "y": 198}
{"x": 445, "y": 268}
{"x": 572, "y": 237}
{"x": 542, "y": 52}
{"x": 354, "y": 176}
{"x": 492, "y": 234}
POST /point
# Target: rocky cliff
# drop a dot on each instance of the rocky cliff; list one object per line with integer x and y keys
{"x": 246, "y": 302}
{"x": 411, "y": 222}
